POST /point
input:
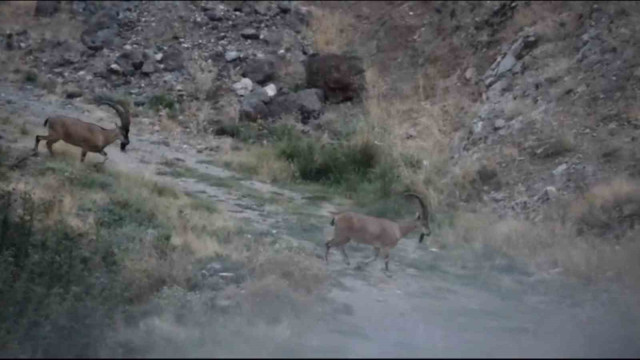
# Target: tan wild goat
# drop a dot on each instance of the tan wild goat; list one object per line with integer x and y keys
{"x": 90, "y": 137}
{"x": 382, "y": 234}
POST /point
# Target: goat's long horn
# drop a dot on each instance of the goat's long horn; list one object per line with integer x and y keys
{"x": 121, "y": 110}
{"x": 425, "y": 211}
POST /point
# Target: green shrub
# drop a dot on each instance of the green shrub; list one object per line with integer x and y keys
{"x": 31, "y": 76}
{"x": 161, "y": 101}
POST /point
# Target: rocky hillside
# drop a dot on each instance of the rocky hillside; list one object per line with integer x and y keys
{"x": 517, "y": 104}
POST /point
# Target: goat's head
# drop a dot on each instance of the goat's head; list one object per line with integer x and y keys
{"x": 124, "y": 137}
{"x": 122, "y": 110}
{"x": 422, "y": 217}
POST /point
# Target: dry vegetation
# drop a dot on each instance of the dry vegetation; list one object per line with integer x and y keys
{"x": 139, "y": 235}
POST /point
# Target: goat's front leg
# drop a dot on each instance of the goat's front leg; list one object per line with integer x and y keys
{"x": 83, "y": 154}
{"x": 104, "y": 153}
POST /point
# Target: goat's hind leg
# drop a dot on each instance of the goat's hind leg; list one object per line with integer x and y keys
{"x": 50, "y": 143}
{"x": 344, "y": 254}
{"x": 38, "y": 139}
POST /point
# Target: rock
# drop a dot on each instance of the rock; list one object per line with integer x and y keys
{"x": 158, "y": 57}
{"x": 260, "y": 70}
{"x": 231, "y": 55}
{"x": 486, "y": 174}
{"x": 102, "y": 30}
{"x": 560, "y": 169}
{"x": 130, "y": 61}
{"x": 252, "y": 109}
{"x": 115, "y": 69}
{"x": 148, "y": 68}
{"x": 215, "y": 14}
{"x": 341, "y": 77}
{"x": 310, "y": 104}
{"x": 271, "y": 90}
{"x": 411, "y": 133}
{"x": 264, "y": 8}
{"x": 499, "y": 124}
{"x": 274, "y": 38}
{"x": 250, "y": 33}
{"x": 259, "y": 94}
{"x": 98, "y": 40}
{"x": 243, "y": 87}
{"x": 470, "y": 74}
{"x": 172, "y": 59}
{"x": 506, "y": 64}
{"x": 284, "y": 6}
{"x": 47, "y": 8}
{"x": 282, "y": 105}
{"x": 73, "y": 92}
{"x": 550, "y": 192}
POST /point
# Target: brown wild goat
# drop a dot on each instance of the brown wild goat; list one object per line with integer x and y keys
{"x": 90, "y": 137}
{"x": 382, "y": 234}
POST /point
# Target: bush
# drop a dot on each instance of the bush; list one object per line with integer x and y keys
{"x": 51, "y": 288}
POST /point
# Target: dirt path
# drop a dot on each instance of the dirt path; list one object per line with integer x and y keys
{"x": 428, "y": 307}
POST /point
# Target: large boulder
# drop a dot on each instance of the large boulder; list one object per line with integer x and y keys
{"x": 260, "y": 70}
{"x": 253, "y": 106}
{"x": 310, "y": 104}
{"x": 306, "y": 103}
{"x": 130, "y": 61}
{"x": 102, "y": 30}
{"x": 173, "y": 59}
{"x": 47, "y": 8}
{"x": 340, "y": 76}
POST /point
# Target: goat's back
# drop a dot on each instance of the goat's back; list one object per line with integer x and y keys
{"x": 75, "y": 131}
{"x": 366, "y": 229}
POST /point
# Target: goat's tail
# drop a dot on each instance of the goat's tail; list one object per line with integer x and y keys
{"x": 333, "y": 221}
{"x": 45, "y": 122}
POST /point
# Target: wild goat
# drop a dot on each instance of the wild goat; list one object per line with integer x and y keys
{"x": 382, "y": 234}
{"x": 90, "y": 137}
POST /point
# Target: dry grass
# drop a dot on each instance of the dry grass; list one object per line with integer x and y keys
{"x": 332, "y": 31}
{"x": 550, "y": 247}
{"x": 261, "y": 162}
{"x": 609, "y": 207}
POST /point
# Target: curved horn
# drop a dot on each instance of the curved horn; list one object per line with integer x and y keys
{"x": 121, "y": 110}
{"x": 425, "y": 211}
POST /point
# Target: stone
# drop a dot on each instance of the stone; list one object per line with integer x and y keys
{"x": 73, "y": 92}
{"x": 148, "y": 68}
{"x": 115, "y": 69}
{"x": 232, "y": 55}
{"x": 47, "y": 8}
{"x": 99, "y": 39}
{"x": 560, "y": 169}
{"x": 260, "y": 70}
{"x": 243, "y": 87}
{"x": 259, "y": 94}
{"x": 215, "y": 14}
{"x": 173, "y": 59}
{"x": 310, "y": 104}
{"x": 341, "y": 77}
{"x": 253, "y": 109}
{"x": 499, "y": 124}
{"x": 508, "y": 62}
{"x": 284, "y": 6}
{"x": 250, "y": 33}
{"x": 271, "y": 90}
{"x": 130, "y": 61}
{"x": 551, "y": 193}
